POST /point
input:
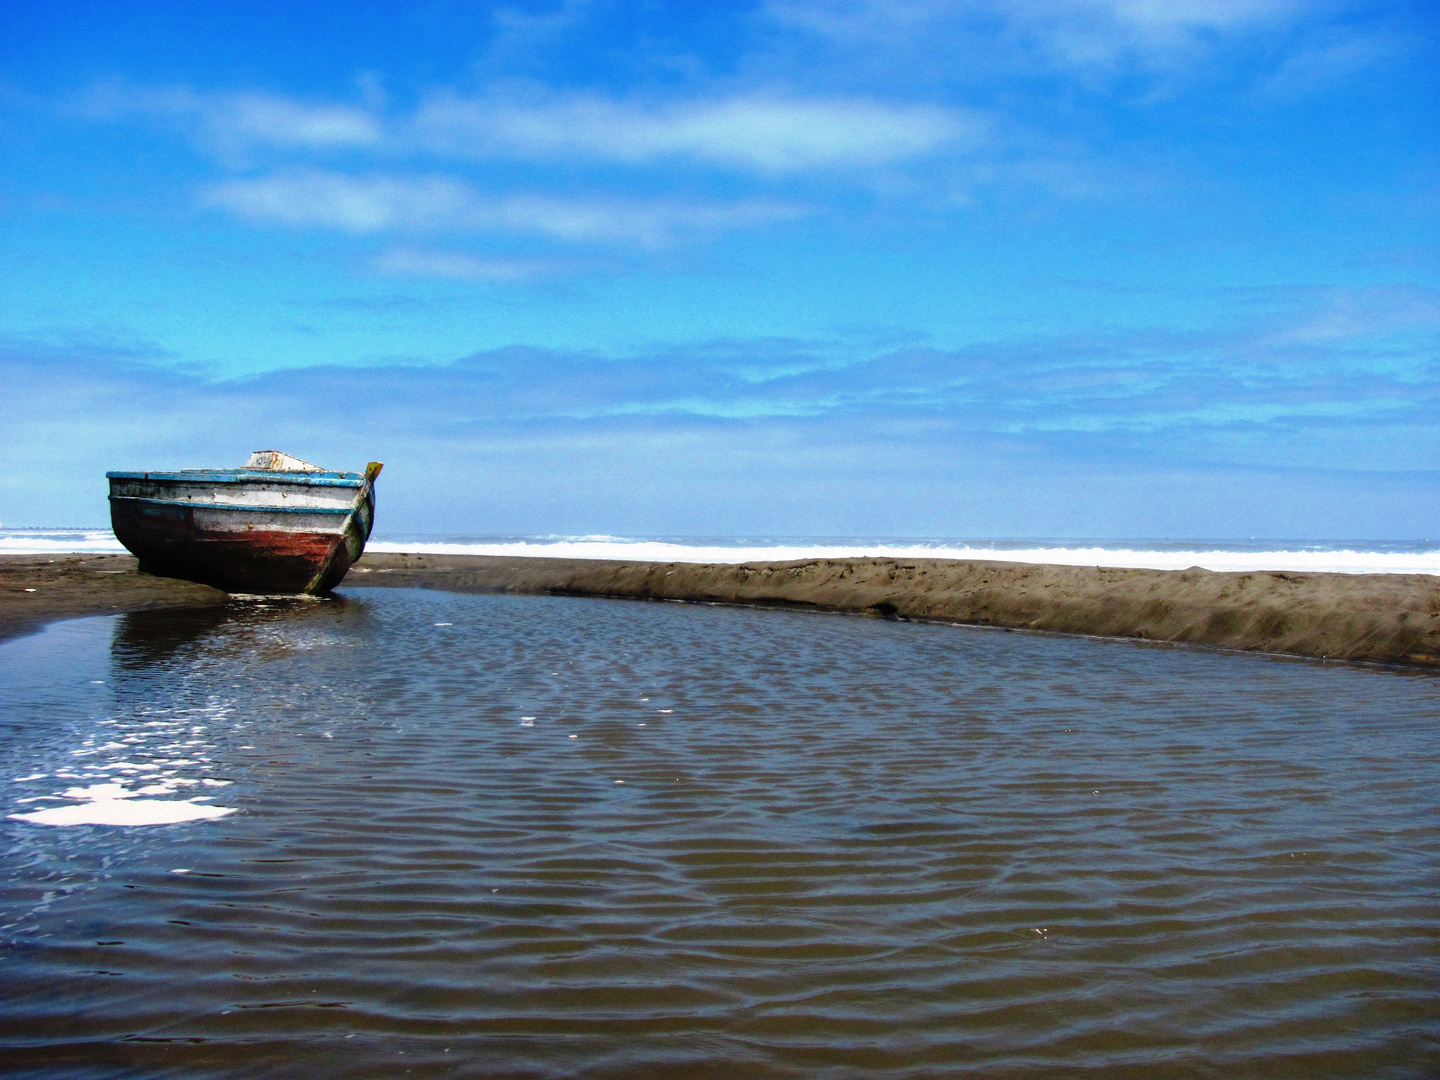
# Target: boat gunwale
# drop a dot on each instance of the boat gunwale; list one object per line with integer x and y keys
{"x": 201, "y": 505}
{"x": 247, "y": 476}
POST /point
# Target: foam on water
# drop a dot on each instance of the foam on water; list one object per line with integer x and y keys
{"x": 1313, "y": 559}
{"x": 1344, "y": 557}
{"x": 59, "y": 542}
{"x": 124, "y": 766}
{"x": 115, "y": 804}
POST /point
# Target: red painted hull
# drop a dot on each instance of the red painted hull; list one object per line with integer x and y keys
{"x": 255, "y": 562}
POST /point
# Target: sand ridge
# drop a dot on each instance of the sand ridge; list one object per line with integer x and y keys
{"x": 1380, "y": 618}
{"x": 36, "y": 589}
{"x": 1383, "y": 618}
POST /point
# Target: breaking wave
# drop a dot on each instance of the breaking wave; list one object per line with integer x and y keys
{"x": 1420, "y": 558}
{"x": 1335, "y": 557}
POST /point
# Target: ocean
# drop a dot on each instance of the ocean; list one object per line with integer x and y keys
{"x": 405, "y": 833}
{"x": 1315, "y": 556}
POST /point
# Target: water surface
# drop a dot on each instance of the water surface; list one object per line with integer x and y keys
{"x": 516, "y": 836}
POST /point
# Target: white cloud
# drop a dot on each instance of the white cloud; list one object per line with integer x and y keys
{"x": 770, "y": 134}
{"x": 352, "y": 204}
{"x": 1329, "y": 60}
{"x": 460, "y": 266}
{"x": 1371, "y": 312}
{"x": 230, "y": 122}
{"x": 367, "y": 204}
{"x": 1152, "y": 18}
{"x": 1100, "y": 33}
{"x": 283, "y": 122}
{"x": 1171, "y": 16}
{"x": 1071, "y": 34}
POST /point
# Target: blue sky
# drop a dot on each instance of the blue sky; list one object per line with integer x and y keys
{"x": 1055, "y": 268}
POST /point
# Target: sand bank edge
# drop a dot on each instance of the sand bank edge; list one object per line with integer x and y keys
{"x": 1377, "y": 618}
{"x": 39, "y": 589}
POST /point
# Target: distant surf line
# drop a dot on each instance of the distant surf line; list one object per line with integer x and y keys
{"x": 1319, "y": 560}
{"x": 1299, "y": 556}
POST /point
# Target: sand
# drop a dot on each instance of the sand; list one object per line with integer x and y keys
{"x": 1380, "y": 618}
{"x": 36, "y": 589}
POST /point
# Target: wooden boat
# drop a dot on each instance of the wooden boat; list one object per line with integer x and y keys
{"x": 279, "y": 525}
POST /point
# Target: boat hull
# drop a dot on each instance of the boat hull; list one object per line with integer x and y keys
{"x": 291, "y": 533}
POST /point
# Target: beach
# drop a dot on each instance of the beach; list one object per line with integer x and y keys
{"x": 1376, "y": 618}
{"x": 805, "y": 540}
{"x": 37, "y": 589}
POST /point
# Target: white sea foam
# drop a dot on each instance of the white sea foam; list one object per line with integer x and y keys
{"x": 1355, "y": 560}
{"x": 60, "y": 542}
{"x": 115, "y": 804}
{"x": 122, "y": 789}
{"x": 126, "y": 812}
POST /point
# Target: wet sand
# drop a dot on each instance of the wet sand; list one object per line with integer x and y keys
{"x": 36, "y": 589}
{"x": 1381, "y": 618}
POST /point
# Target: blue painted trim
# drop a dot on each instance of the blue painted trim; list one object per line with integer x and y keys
{"x": 233, "y": 506}
{"x": 247, "y": 476}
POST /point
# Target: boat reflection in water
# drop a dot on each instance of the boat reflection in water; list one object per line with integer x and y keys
{"x": 278, "y": 525}
{"x": 150, "y": 646}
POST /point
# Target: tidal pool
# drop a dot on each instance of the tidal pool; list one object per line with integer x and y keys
{"x": 425, "y": 834}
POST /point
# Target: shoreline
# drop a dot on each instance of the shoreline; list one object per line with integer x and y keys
{"x": 39, "y": 589}
{"x": 1376, "y": 618}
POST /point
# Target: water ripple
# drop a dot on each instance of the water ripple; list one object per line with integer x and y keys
{"x": 481, "y": 836}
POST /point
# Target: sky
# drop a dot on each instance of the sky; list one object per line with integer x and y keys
{"x": 871, "y": 268}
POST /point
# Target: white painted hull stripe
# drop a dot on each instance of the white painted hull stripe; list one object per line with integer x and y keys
{"x": 224, "y": 507}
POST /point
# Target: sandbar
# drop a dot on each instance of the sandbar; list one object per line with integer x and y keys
{"x": 37, "y": 589}
{"x": 1376, "y": 618}
{"x": 1380, "y": 618}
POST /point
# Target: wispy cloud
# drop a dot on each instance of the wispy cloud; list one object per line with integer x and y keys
{"x": 1085, "y": 37}
{"x": 1354, "y": 356}
{"x": 367, "y": 204}
{"x": 765, "y": 133}
{"x": 309, "y": 186}
{"x": 1329, "y": 58}
{"x": 769, "y": 143}
{"x": 353, "y": 204}
{"x": 1337, "y": 315}
{"x": 230, "y": 123}
{"x": 762, "y": 132}
{"x": 1157, "y": 32}
{"x": 413, "y": 262}
{"x": 555, "y": 439}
